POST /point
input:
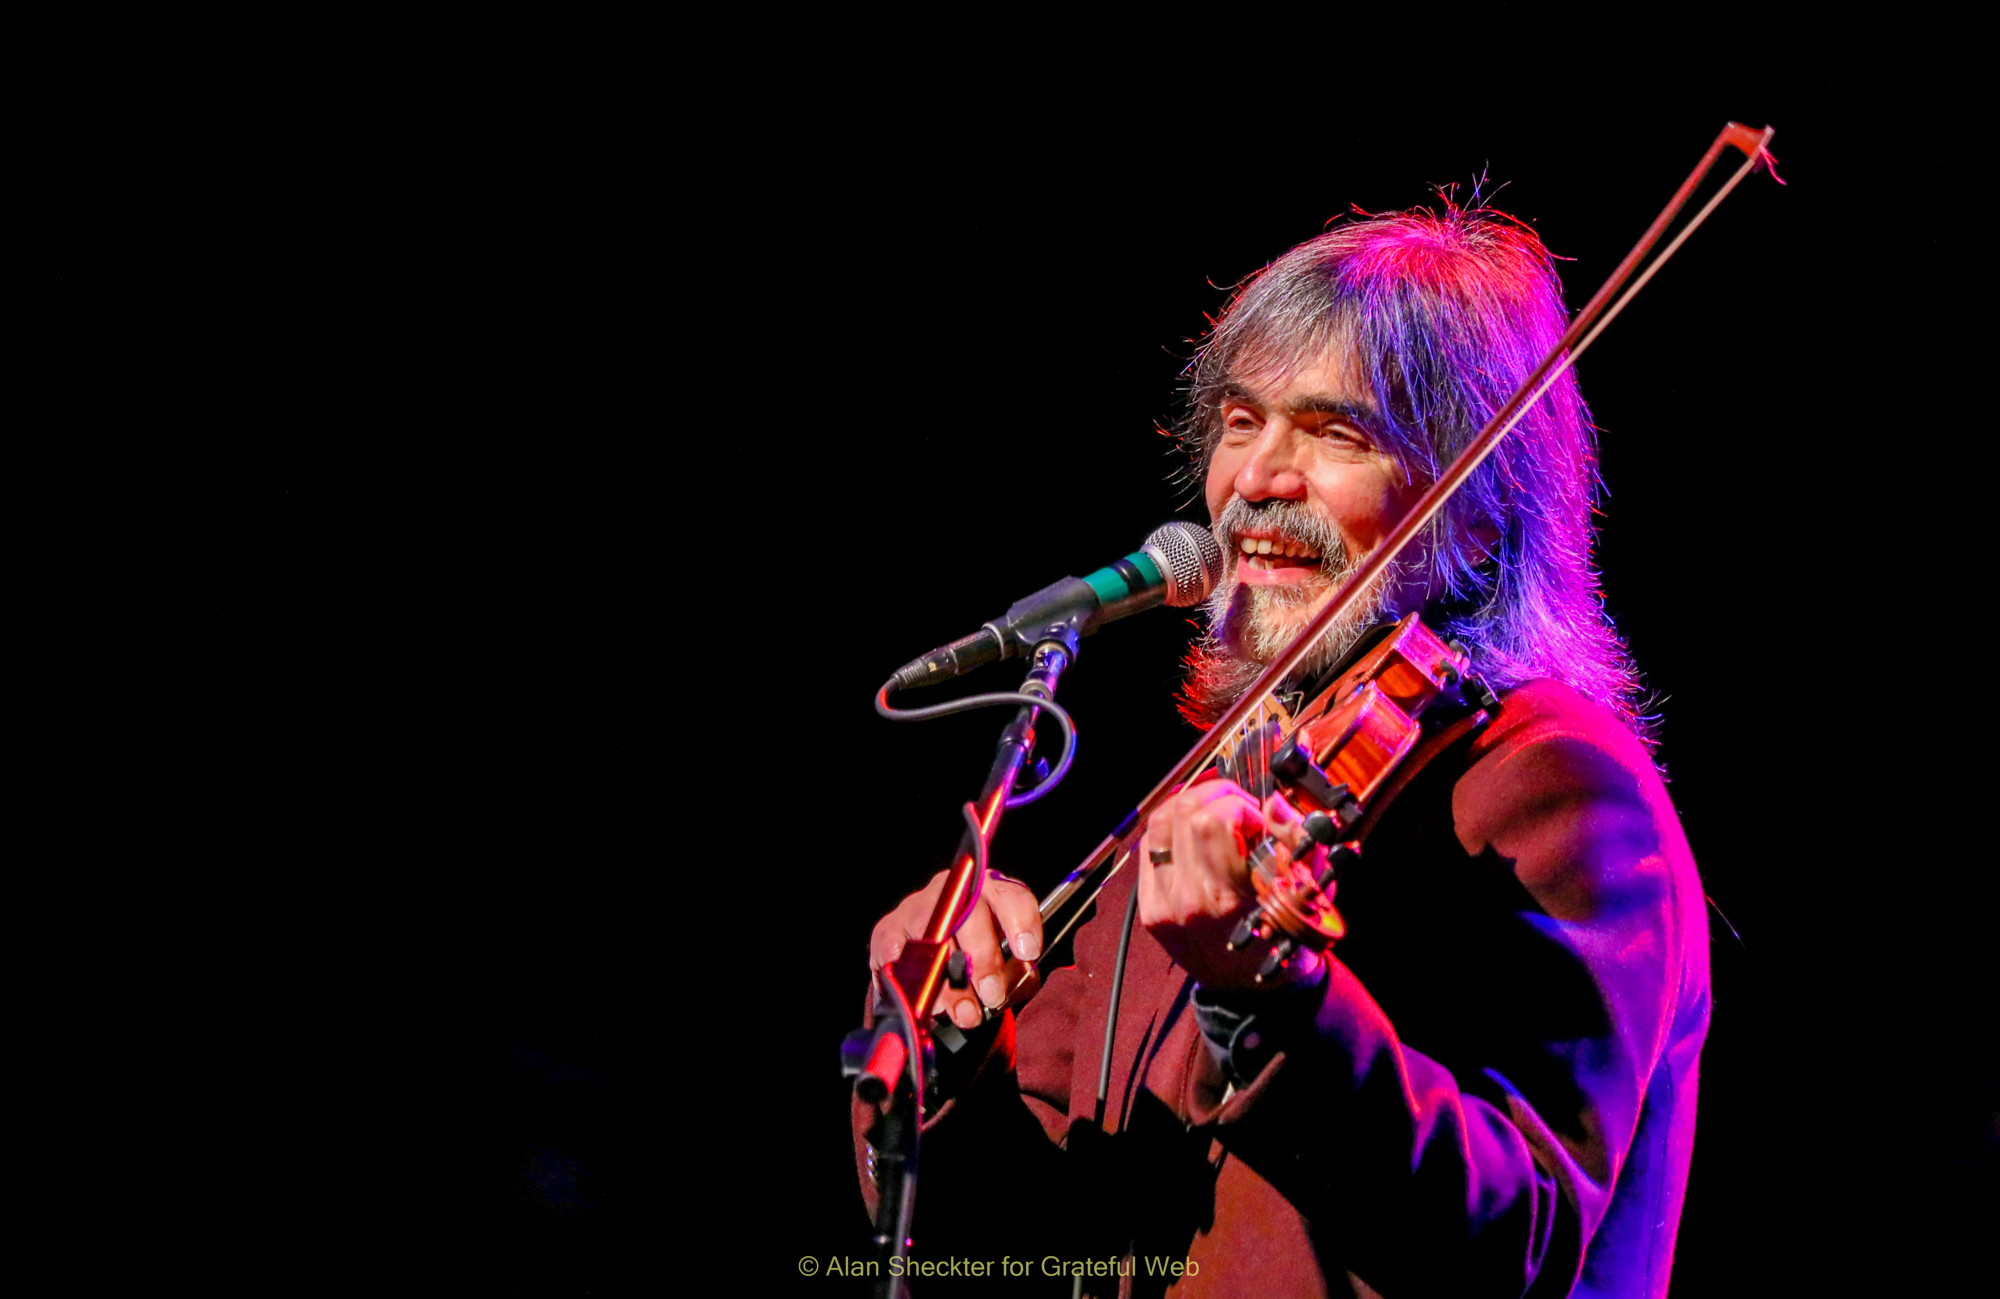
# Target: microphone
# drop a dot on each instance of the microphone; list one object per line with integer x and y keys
{"x": 1179, "y": 564}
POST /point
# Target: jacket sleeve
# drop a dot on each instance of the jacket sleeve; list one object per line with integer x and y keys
{"x": 1486, "y": 1170}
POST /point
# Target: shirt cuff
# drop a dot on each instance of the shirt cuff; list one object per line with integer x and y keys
{"x": 1244, "y": 1030}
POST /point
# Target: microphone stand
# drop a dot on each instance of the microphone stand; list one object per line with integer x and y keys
{"x": 896, "y": 1059}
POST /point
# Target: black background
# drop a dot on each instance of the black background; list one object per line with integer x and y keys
{"x": 580, "y": 480}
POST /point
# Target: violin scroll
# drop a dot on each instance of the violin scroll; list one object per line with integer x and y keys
{"x": 1294, "y": 902}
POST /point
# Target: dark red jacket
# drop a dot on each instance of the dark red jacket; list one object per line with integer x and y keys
{"x": 1495, "y": 1096}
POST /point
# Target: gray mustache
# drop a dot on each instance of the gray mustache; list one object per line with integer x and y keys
{"x": 1293, "y": 520}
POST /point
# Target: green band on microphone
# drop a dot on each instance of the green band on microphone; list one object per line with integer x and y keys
{"x": 1109, "y": 586}
{"x": 1122, "y": 577}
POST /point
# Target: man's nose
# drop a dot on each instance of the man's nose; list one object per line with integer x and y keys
{"x": 1274, "y": 469}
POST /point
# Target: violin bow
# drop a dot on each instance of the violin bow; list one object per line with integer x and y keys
{"x": 1611, "y": 298}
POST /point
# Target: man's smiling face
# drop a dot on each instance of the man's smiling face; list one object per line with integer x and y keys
{"x": 1299, "y": 491}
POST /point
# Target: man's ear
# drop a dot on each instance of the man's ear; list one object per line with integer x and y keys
{"x": 1481, "y": 543}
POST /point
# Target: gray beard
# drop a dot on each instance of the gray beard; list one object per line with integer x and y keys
{"x": 1250, "y": 626}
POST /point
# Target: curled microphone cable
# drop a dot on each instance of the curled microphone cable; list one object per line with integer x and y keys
{"x": 971, "y": 702}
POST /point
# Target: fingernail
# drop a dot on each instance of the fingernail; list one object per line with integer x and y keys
{"x": 1027, "y": 946}
{"x": 989, "y": 990}
{"x": 966, "y": 1015}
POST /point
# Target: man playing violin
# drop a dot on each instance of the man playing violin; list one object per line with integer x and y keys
{"x": 1487, "y": 1086}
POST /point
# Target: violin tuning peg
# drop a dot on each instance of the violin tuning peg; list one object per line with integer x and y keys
{"x": 1246, "y": 929}
{"x": 1337, "y": 860}
{"x": 1290, "y": 762}
{"x": 1280, "y": 953}
{"x": 1320, "y": 828}
{"x": 956, "y": 972}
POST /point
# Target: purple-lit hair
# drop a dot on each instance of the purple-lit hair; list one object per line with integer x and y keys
{"x": 1448, "y": 313}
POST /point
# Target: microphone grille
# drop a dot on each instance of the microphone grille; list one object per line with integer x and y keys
{"x": 1188, "y": 554}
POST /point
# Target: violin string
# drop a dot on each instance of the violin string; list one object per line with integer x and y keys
{"x": 1257, "y": 753}
{"x": 1266, "y": 781}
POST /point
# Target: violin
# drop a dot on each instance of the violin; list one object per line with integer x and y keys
{"x": 1338, "y": 758}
